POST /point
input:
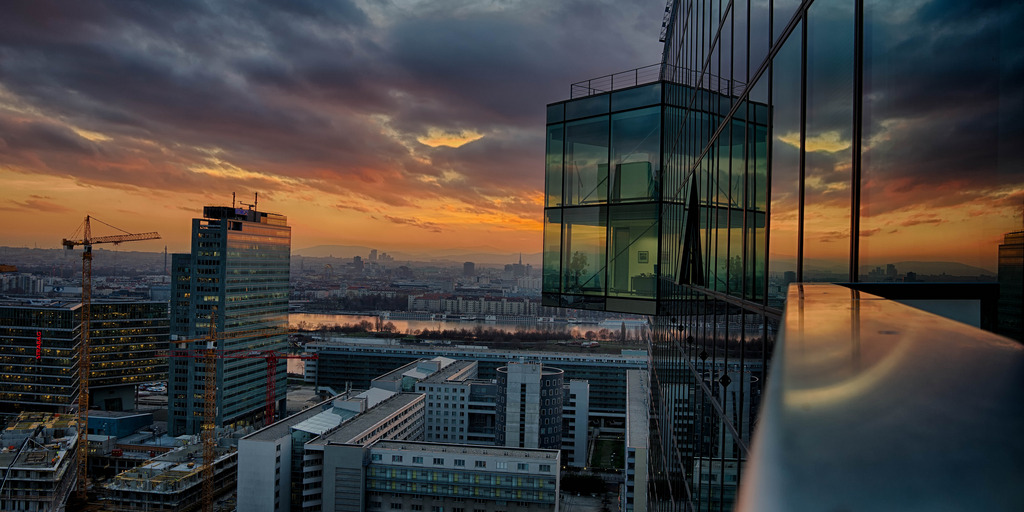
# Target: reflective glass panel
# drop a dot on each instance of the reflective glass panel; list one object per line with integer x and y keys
{"x": 636, "y": 155}
{"x": 829, "y": 141}
{"x": 633, "y": 250}
{"x": 583, "y": 250}
{"x": 942, "y": 165}
{"x": 553, "y": 171}
{"x": 785, "y": 170}
{"x": 552, "y": 248}
{"x": 586, "y": 161}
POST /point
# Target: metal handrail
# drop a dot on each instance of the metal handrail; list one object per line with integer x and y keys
{"x": 653, "y": 73}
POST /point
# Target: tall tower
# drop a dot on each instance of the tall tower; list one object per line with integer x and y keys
{"x": 239, "y": 267}
{"x": 529, "y": 406}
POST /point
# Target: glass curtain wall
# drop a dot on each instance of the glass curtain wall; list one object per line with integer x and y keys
{"x": 817, "y": 140}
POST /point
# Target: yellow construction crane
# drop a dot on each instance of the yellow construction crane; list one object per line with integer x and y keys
{"x": 209, "y": 357}
{"x": 87, "y": 241}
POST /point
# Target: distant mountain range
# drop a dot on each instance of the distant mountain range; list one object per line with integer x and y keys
{"x": 478, "y": 255}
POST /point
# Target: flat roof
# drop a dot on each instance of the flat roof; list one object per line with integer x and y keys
{"x": 447, "y": 372}
{"x": 637, "y": 408}
{"x": 283, "y": 427}
{"x": 359, "y": 424}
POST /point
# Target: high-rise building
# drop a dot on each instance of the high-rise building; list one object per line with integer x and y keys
{"x": 1011, "y": 285}
{"x": 529, "y": 406}
{"x": 777, "y": 142}
{"x": 39, "y": 341}
{"x": 236, "y": 273}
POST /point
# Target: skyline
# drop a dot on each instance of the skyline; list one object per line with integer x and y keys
{"x": 418, "y": 126}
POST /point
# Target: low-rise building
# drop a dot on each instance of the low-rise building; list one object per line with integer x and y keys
{"x": 38, "y": 467}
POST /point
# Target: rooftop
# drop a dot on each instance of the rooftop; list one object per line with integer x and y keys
{"x": 351, "y": 429}
{"x": 448, "y": 371}
{"x": 493, "y": 451}
{"x": 283, "y": 427}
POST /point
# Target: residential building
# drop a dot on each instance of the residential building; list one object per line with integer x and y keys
{"x": 777, "y": 143}
{"x": 37, "y": 462}
{"x": 39, "y": 344}
{"x": 236, "y": 277}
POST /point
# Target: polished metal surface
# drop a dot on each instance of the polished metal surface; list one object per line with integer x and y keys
{"x": 874, "y": 405}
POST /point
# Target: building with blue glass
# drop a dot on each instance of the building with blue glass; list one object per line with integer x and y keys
{"x": 236, "y": 274}
{"x": 777, "y": 142}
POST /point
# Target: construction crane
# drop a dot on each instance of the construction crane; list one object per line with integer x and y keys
{"x": 87, "y": 241}
{"x": 209, "y": 357}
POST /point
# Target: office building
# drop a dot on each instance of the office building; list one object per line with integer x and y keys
{"x": 39, "y": 343}
{"x": 637, "y": 439}
{"x": 776, "y": 143}
{"x": 37, "y": 462}
{"x": 436, "y": 476}
{"x": 1011, "y": 285}
{"x": 283, "y": 466}
{"x": 529, "y": 406}
{"x": 355, "y": 364}
{"x": 576, "y": 422}
{"x": 237, "y": 274}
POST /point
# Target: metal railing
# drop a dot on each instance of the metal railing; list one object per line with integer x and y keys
{"x": 653, "y": 73}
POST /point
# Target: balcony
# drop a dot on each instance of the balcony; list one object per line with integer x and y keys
{"x": 874, "y": 405}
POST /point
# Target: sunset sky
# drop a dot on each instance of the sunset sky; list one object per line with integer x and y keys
{"x": 404, "y": 125}
{"x": 418, "y": 125}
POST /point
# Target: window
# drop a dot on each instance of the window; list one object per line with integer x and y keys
{"x": 460, "y": 462}
{"x": 522, "y": 466}
{"x": 396, "y": 458}
{"x": 503, "y": 465}
{"x": 545, "y": 468}
{"x": 396, "y": 506}
{"x": 417, "y": 460}
{"x": 480, "y": 464}
{"x": 376, "y": 457}
{"x": 438, "y": 461}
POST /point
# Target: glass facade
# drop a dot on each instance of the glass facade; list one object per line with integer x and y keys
{"x": 239, "y": 267}
{"x": 800, "y": 141}
{"x": 39, "y": 352}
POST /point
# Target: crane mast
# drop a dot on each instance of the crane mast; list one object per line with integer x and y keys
{"x": 84, "y": 361}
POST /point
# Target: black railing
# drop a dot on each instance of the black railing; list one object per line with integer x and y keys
{"x": 653, "y": 73}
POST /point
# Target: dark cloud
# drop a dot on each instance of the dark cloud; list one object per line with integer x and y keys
{"x": 430, "y": 226}
{"x": 328, "y": 95}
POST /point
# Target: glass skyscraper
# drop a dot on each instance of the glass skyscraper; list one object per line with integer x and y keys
{"x": 781, "y": 141}
{"x": 237, "y": 273}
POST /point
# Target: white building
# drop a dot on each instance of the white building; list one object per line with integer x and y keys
{"x": 281, "y": 466}
{"x": 575, "y": 410}
{"x": 634, "y": 495}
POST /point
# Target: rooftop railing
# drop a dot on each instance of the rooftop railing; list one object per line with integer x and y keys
{"x": 875, "y": 405}
{"x": 653, "y": 73}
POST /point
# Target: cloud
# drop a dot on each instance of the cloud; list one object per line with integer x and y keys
{"x": 306, "y": 97}
{"x": 34, "y": 204}
{"x": 430, "y": 226}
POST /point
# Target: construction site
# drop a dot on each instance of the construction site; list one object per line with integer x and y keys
{"x": 37, "y": 462}
{"x": 172, "y": 481}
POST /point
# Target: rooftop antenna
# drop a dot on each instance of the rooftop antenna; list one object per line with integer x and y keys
{"x": 256, "y": 200}
{"x": 232, "y": 199}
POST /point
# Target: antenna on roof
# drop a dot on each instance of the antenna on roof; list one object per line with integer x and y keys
{"x": 232, "y": 199}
